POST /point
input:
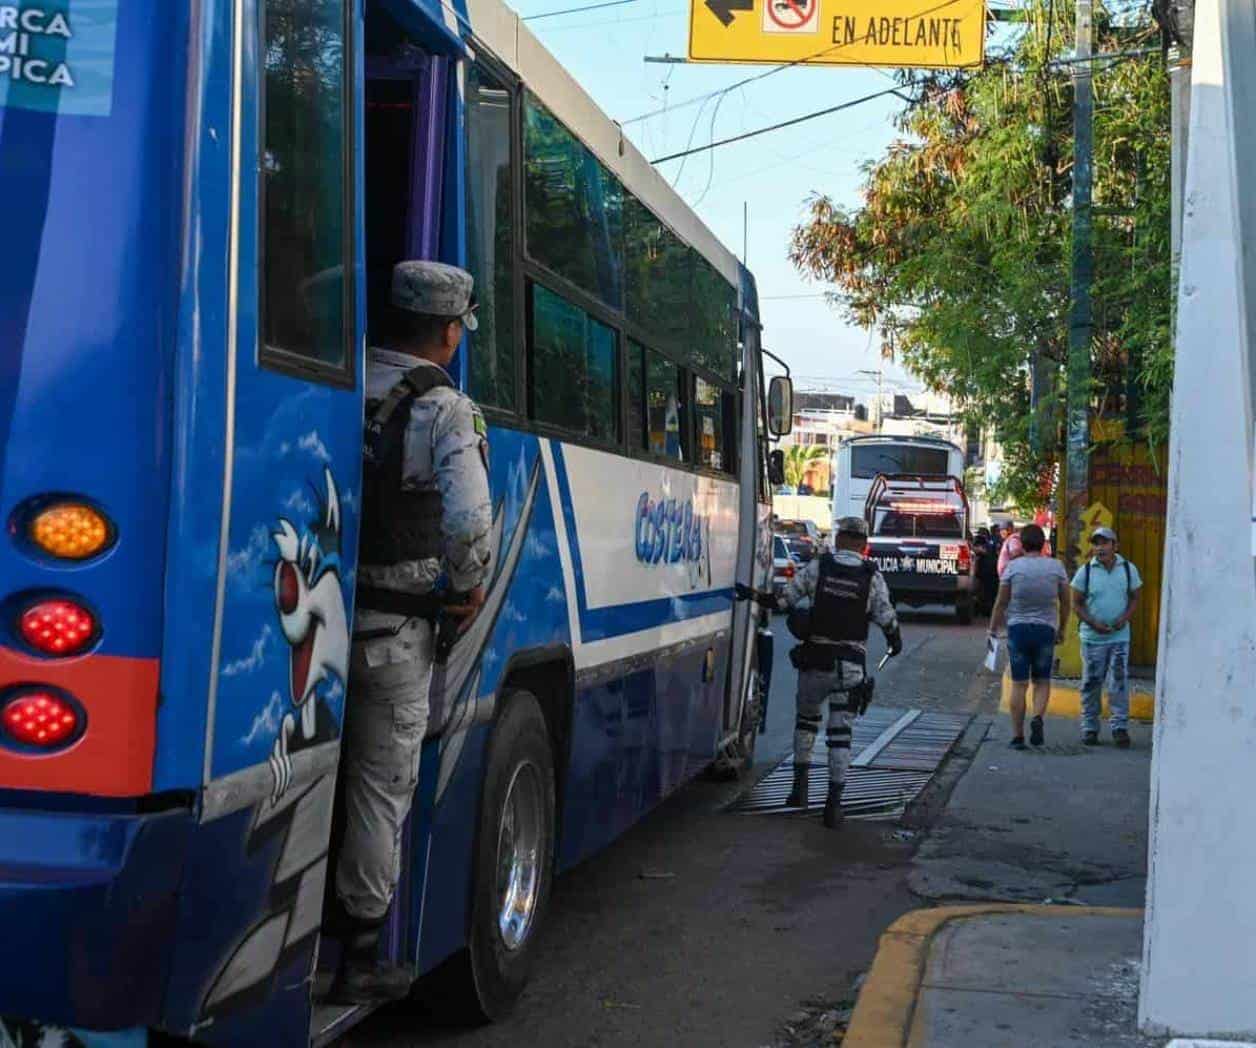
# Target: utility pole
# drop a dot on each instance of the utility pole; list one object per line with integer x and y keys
{"x": 880, "y": 373}
{"x": 1077, "y": 466}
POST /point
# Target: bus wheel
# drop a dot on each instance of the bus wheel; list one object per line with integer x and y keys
{"x": 514, "y": 865}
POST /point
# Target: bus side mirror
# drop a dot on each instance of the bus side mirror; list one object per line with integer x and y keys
{"x": 776, "y": 467}
{"x": 780, "y": 407}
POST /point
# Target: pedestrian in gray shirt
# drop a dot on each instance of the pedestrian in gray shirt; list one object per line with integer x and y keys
{"x": 1034, "y": 601}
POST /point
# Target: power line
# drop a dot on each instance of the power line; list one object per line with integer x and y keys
{"x": 776, "y": 127}
{"x": 577, "y": 10}
{"x": 601, "y": 23}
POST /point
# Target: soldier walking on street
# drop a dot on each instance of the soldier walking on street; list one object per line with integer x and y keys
{"x": 845, "y": 591}
{"x": 425, "y": 551}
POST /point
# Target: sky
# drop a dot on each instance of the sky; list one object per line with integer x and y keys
{"x": 774, "y": 174}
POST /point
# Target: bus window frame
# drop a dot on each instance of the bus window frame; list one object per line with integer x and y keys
{"x": 511, "y": 81}
{"x": 549, "y": 429}
{"x": 272, "y": 358}
{"x": 528, "y": 270}
{"x": 762, "y": 434}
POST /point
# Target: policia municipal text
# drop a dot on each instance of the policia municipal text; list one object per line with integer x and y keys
{"x": 844, "y": 591}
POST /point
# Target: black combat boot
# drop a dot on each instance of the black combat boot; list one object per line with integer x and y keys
{"x": 362, "y": 977}
{"x": 833, "y": 807}
{"x": 798, "y": 795}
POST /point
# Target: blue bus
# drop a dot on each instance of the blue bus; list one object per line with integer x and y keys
{"x": 206, "y": 201}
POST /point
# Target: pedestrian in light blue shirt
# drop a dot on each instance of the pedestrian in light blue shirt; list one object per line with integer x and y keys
{"x": 1105, "y": 596}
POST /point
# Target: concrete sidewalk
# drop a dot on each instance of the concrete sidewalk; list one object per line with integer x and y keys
{"x": 993, "y": 976}
{"x": 1021, "y": 833}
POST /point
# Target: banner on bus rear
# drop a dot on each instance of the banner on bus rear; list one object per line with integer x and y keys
{"x": 58, "y": 55}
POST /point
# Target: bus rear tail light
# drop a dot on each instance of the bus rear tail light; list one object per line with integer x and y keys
{"x": 70, "y": 530}
{"x": 965, "y": 558}
{"x": 57, "y": 627}
{"x": 40, "y": 719}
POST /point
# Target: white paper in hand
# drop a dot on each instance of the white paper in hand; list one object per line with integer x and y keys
{"x": 992, "y": 653}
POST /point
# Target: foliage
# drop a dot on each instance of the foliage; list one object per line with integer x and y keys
{"x": 799, "y": 458}
{"x": 960, "y": 253}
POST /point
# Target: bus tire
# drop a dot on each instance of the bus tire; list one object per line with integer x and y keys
{"x": 506, "y": 917}
{"x": 964, "y": 611}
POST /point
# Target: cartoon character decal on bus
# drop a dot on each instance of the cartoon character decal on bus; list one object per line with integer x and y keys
{"x": 309, "y": 600}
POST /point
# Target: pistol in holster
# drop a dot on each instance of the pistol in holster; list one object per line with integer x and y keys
{"x": 430, "y": 607}
{"x": 861, "y": 696}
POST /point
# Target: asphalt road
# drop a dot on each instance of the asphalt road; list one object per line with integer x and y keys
{"x": 701, "y": 927}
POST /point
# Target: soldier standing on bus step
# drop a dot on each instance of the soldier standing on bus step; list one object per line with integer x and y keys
{"x": 426, "y": 519}
{"x": 845, "y": 591}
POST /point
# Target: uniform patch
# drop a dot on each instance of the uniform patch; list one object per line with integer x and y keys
{"x": 477, "y": 420}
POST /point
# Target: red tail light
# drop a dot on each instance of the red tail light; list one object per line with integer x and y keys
{"x": 965, "y": 559}
{"x": 867, "y": 551}
{"x": 788, "y": 571}
{"x": 40, "y": 719}
{"x": 57, "y": 627}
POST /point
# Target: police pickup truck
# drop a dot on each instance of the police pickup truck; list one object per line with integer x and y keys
{"x": 918, "y": 537}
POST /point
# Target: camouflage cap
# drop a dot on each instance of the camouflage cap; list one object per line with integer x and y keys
{"x": 436, "y": 289}
{"x": 852, "y": 526}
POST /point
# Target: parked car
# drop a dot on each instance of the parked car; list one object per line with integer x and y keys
{"x": 805, "y": 489}
{"x": 784, "y": 566}
{"x": 802, "y": 537}
{"x": 785, "y": 489}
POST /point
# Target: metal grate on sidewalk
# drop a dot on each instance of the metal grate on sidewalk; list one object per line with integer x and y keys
{"x": 896, "y": 753}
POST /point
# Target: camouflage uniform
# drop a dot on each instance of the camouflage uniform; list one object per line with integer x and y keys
{"x": 445, "y": 450}
{"x": 815, "y": 687}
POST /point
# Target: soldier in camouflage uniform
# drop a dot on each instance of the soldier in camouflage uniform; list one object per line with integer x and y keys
{"x": 426, "y": 518}
{"x": 845, "y": 593}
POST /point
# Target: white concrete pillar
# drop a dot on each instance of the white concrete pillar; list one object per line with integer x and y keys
{"x": 1199, "y": 952}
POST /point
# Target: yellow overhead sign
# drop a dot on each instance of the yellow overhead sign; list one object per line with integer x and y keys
{"x": 935, "y": 34}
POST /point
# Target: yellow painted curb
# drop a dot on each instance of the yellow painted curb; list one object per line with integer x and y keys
{"x": 887, "y": 1000}
{"x": 1066, "y": 700}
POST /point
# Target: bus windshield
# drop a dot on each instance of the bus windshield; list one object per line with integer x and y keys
{"x": 866, "y": 462}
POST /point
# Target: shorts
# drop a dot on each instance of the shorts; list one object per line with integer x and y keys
{"x": 1030, "y": 651}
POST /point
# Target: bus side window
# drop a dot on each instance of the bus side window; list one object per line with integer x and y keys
{"x": 573, "y": 208}
{"x": 658, "y": 407}
{"x": 490, "y": 238}
{"x": 709, "y": 423}
{"x": 307, "y": 235}
{"x": 575, "y": 368}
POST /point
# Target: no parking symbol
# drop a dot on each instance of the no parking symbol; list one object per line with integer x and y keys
{"x": 791, "y": 16}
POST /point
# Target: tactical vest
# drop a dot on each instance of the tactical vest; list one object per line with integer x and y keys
{"x": 397, "y": 525}
{"x": 839, "y": 611}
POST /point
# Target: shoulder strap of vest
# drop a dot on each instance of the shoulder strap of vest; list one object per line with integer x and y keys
{"x": 420, "y": 379}
{"x": 1129, "y": 579}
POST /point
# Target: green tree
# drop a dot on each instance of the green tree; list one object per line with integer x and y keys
{"x": 798, "y": 459}
{"x": 959, "y": 254}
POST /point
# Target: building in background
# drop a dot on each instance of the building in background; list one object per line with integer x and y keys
{"x": 821, "y": 420}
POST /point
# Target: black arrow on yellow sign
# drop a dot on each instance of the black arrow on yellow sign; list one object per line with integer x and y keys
{"x": 723, "y": 9}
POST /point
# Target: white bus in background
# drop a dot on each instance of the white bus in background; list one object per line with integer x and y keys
{"x": 859, "y": 460}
